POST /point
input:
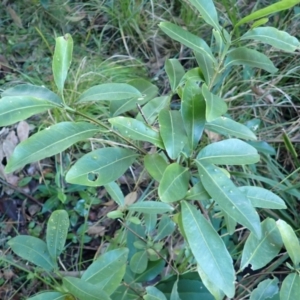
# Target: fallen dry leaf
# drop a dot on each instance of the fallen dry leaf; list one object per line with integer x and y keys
{"x": 96, "y": 230}
{"x": 17, "y": 20}
{"x": 131, "y": 198}
{"x": 23, "y": 130}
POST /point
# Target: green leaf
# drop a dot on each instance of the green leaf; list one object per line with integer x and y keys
{"x": 62, "y": 60}
{"x": 152, "y": 109}
{"x": 150, "y": 222}
{"x": 110, "y": 92}
{"x": 108, "y": 270}
{"x": 151, "y": 207}
{"x": 165, "y": 228}
{"x": 48, "y": 142}
{"x": 215, "y": 106}
{"x": 251, "y": 58}
{"x": 290, "y": 287}
{"x": 156, "y": 165}
{"x": 138, "y": 262}
{"x": 262, "y": 198}
{"x": 57, "y": 230}
{"x": 101, "y": 166}
{"x": 153, "y": 270}
{"x": 188, "y": 39}
{"x": 32, "y": 249}
{"x": 115, "y": 193}
{"x": 175, "y": 72}
{"x": 17, "y": 108}
{"x": 194, "y": 74}
{"x": 34, "y": 91}
{"x": 174, "y": 294}
{"x": 49, "y": 296}
{"x": 174, "y": 183}
{"x": 172, "y": 132}
{"x": 271, "y": 9}
{"x": 229, "y": 127}
{"x": 259, "y": 252}
{"x": 154, "y": 294}
{"x": 197, "y": 192}
{"x": 259, "y": 22}
{"x": 229, "y": 197}
{"x": 206, "y": 66}
{"x": 208, "y": 12}
{"x": 228, "y": 152}
{"x": 208, "y": 249}
{"x": 290, "y": 241}
{"x": 266, "y": 289}
{"x": 136, "y": 130}
{"x": 84, "y": 290}
{"x": 274, "y": 37}
{"x": 193, "y": 112}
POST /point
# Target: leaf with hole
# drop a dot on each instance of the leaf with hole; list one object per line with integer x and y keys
{"x": 48, "y": 142}
{"x": 101, "y": 166}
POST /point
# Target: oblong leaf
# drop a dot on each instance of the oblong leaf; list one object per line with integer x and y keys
{"x": 262, "y": 198}
{"x": 115, "y": 193}
{"x": 215, "y": 106}
{"x": 154, "y": 294}
{"x": 48, "y": 142}
{"x": 17, "y": 108}
{"x": 208, "y": 249}
{"x": 138, "y": 262}
{"x": 57, "y": 230}
{"x": 229, "y": 127}
{"x": 136, "y": 130}
{"x": 229, "y": 152}
{"x": 290, "y": 287}
{"x": 174, "y": 183}
{"x": 151, "y": 207}
{"x": 290, "y": 241}
{"x": 197, "y": 192}
{"x": 110, "y": 92}
{"x": 229, "y": 197}
{"x": 172, "y": 132}
{"x": 206, "y": 66}
{"x": 48, "y": 296}
{"x": 62, "y": 59}
{"x": 175, "y": 72}
{"x": 266, "y": 289}
{"x": 101, "y": 166}
{"x": 35, "y": 91}
{"x": 274, "y": 37}
{"x": 251, "y": 58}
{"x": 165, "y": 228}
{"x": 32, "y": 249}
{"x": 155, "y": 164}
{"x": 259, "y": 252}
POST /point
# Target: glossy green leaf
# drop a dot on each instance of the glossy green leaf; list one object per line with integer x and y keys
{"x": 110, "y": 92}
{"x": 35, "y": 91}
{"x": 175, "y": 72}
{"x": 263, "y": 147}
{"x": 228, "y": 152}
{"x": 251, "y": 58}
{"x": 230, "y": 223}
{"x": 154, "y": 294}
{"x": 229, "y": 127}
{"x": 84, "y": 290}
{"x": 197, "y": 192}
{"x": 115, "y": 193}
{"x": 153, "y": 270}
{"x": 259, "y": 252}
{"x": 172, "y": 132}
{"x": 101, "y": 166}
{"x": 57, "y": 230}
{"x": 108, "y": 270}
{"x": 152, "y": 108}
{"x": 174, "y": 294}
{"x": 150, "y": 222}
{"x": 138, "y": 262}
{"x": 156, "y": 165}
{"x": 125, "y": 293}
{"x": 136, "y": 130}
{"x": 290, "y": 241}
{"x": 17, "y": 108}
{"x": 151, "y": 207}
{"x": 186, "y": 38}
{"x": 208, "y": 12}
{"x": 165, "y": 228}
{"x": 262, "y": 198}
{"x": 206, "y": 66}
{"x": 49, "y": 296}
{"x": 215, "y": 106}
{"x": 194, "y": 74}
{"x": 290, "y": 287}
{"x": 48, "y": 142}
{"x": 174, "y": 183}
{"x": 274, "y": 37}
{"x": 62, "y": 60}
{"x": 229, "y": 197}
{"x": 208, "y": 249}
{"x": 266, "y": 289}
{"x": 32, "y": 249}
{"x": 193, "y": 112}
{"x": 271, "y": 9}
{"x": 259, "y": 22}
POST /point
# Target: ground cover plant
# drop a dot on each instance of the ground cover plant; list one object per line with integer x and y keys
{"x": 195, "y": 228}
